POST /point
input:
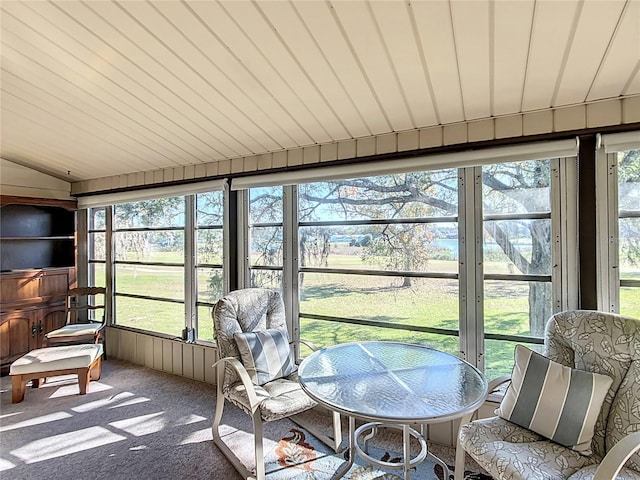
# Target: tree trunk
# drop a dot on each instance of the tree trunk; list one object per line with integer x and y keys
{"x": 540, "y": 294}
{"x": 540, "y": 307}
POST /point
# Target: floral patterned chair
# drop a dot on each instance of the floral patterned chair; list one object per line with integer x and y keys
{"x": 247, "y": 323}
{"x": 591, "y": 341}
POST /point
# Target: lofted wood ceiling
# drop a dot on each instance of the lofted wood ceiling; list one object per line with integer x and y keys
{"x": 97, "y": 88}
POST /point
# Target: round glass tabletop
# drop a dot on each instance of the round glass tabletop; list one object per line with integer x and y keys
{"x": 391, "y": 381}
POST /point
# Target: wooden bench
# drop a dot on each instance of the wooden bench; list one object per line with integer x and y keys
{"x": 85, "y": 361}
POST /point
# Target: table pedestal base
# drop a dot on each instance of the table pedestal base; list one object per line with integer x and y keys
{"x": 408, "y": 462}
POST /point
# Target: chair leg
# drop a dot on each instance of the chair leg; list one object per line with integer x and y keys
{"x": 219, "y": 442}
{"x": 258, "y": 445}
{"x": 460, "y": 453}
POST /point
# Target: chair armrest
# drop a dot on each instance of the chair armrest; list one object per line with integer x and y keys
{"x": 254, "y": 402}
{"x": 459, "y": 460}
{"x": 615, "y": 458}
{"x": 496, "y": 382}
{"x": 494, "y": 395}
{"x": 307, "y": 343}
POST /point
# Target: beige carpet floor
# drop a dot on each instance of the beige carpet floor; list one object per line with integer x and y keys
{"x": 134, "y": 423}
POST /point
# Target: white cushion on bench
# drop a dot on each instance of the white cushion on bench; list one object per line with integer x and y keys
{"x": 56, "y": 358}
{"x": 76, "y": 329}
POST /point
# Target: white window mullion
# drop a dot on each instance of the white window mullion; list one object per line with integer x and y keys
{"x": 244, "y": 278}
{"x": 290, "y": 267}
{"x": 564, "y": 215}
{"x": 190, "y": 282}
{"x": 110, "y": 256}
{"x": 471, "y": 272}
{"x": 613, "y": 242}
{"x": 82, "y": 247}
{"x": 226, "y": 240}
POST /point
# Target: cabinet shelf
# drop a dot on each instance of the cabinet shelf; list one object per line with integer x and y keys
{"x": 36, "y": 233}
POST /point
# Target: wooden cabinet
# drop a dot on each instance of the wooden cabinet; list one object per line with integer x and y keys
{"x": 33, "y": 304}
{"x": 37, "y": 246}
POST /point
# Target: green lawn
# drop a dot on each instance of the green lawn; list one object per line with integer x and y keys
{"x": 426, "y": 302}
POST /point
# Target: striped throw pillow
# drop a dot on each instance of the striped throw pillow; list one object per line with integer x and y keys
{"x": 265, "y": 354}
{"x": 553, "y": 400}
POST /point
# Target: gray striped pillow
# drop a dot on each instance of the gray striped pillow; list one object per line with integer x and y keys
{"x": 553, "y": 400}
{"x": 265, "y": 354}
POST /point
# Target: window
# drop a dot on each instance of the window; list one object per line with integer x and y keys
{"x": 517, "y": 258}
{"x": 378, "y": 259}
{"x": 629, "y": 231}
{"x": 149, "y": 274}
{"x": 97, "y": 248}
{"x": 209, "y": 259}
{"x": 618, "y": 226}
{"x": 266, "y": 237}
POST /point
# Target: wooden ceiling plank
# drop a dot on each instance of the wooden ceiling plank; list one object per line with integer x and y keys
{"x": 436, "y": 35}
{"x": 63, "y": 90}
{"x": 217, "y": 64}
{"x": 81, "y": 120}
{"x": 262, "y": 52}
{"x": 65, "y": 150}
{"x": 203, "y": 85}
{"x": 145, "y": 50}
{"x": 327, "y": 35}
{"x": 550, "y": 35}
{"x": 332, "y": 105}
{"x": 621, "y": 58}
{"x": 397, "y": 32}
{"x": 512, "y": 24}
{"x": 587, "y": 50}
{"x": 473, "y": 48}
{"x": 269, "y": 85}
{"x": 364, "y": 38}
{"x": 102, "y": 60}
{"x": 53, "y": 71}
{"x": 48, "y": 122}
{"x": 43, "y": 155}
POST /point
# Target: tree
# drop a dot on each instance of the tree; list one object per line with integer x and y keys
{"x": 508, "y": 188}
{"x": 266, "y": 242}
{"x": 139, "y": 244}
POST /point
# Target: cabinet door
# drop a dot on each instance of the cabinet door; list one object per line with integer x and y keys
{"x": 18, "y": 334}
{"x": 20, "y": 287}
{"x": 55, "y": 283}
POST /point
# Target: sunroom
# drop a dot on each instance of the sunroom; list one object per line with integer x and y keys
{"x": 448, "y": 174}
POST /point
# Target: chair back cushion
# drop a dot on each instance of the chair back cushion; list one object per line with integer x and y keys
{"x": 624, "y": 417}
{"x": 556, "y": 401}
{"x": 242, "y": 311}
{"x": 604, "y": 343}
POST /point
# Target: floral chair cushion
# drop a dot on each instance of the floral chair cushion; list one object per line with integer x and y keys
{"x": 587, "y": 473}
{"x": 597, "y": 342}
{"x": 510, "y": 452}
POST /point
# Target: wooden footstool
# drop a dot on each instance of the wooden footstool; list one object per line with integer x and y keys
{"x": 82, "y": 360}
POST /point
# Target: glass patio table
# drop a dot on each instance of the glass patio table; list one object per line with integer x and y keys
{"x": 391, "y": 385}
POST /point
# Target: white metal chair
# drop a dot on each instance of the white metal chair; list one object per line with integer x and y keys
{"x": 256, "y": 310}
{"x": 596, "y": 342}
